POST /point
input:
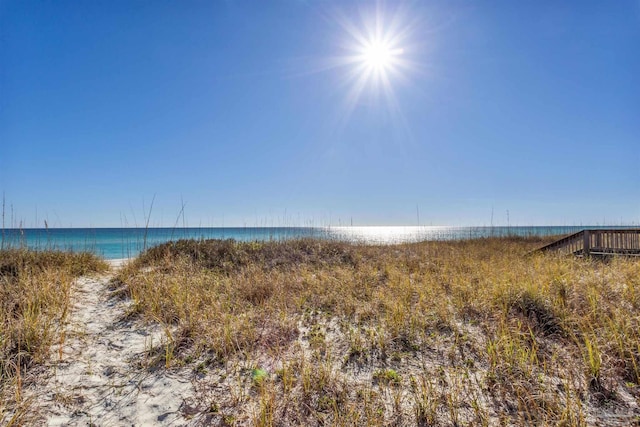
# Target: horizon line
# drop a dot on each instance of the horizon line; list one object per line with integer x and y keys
{"x": 627, "y": 225}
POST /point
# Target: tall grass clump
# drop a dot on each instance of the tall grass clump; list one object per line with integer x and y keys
{"x": 478, "y": 332}
{"x": 35, "y": 294}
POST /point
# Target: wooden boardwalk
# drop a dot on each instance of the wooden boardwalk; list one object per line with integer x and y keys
{"x": 604, "y": 242}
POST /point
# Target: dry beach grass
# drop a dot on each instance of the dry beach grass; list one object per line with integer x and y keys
{"x": 311, "y": 332}
{"x": 436, "y": 333}
{"x": 35, "y": 296}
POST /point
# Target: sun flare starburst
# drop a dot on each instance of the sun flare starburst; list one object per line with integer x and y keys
{"x": 379, "y": 50}
{"x": 377, "y": 55}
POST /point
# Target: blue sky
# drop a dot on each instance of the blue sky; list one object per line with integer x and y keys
{"x": 245, "y": 112}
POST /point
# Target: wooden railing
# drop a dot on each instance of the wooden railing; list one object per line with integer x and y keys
{"x": 602, "y": 242}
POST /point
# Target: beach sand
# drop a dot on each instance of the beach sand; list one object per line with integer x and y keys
{"x": 118, "y": 263}
{"x": 99, "y": 375}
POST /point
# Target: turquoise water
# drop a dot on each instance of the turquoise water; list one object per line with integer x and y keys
{"x": 113, "y": 243}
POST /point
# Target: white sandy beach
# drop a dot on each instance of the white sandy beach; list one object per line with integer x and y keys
{"x": 98, "y": 376}
{"x": 118, "y": 262}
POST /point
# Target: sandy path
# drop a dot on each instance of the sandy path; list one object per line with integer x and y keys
{"x": 98, "y": 376}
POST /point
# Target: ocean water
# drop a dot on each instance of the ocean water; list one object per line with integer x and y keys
{"x": 113, "y": 243}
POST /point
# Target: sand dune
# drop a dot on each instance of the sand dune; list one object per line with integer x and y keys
{"x": 100, "y": 376}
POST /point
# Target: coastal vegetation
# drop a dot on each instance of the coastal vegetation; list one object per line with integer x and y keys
{"x": 477, "y": 332}
{"x": 318, "y": 332}
{"x": 35, "y": 299}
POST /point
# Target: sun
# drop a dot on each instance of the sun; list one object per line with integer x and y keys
{"x": 379, "y": 55}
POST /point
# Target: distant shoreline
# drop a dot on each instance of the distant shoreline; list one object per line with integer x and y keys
{"x": 325, "y": 227}
{"x": 119, "y": 243}
{"x": 118, "y": 262}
